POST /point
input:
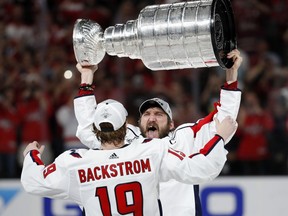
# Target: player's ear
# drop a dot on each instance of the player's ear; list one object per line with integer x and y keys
{"x": 171, "y": 125}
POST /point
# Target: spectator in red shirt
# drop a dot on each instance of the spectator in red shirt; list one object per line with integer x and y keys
{"x": 34, "y": 110}
{"x": 254, "y": 127}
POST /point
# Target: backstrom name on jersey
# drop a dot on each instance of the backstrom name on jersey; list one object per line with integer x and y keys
{"x": 114, "y": 170}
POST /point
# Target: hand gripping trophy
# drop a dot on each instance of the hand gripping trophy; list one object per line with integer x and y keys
{"x": 180, "y": 35}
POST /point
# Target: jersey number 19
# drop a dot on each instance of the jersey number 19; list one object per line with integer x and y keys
{"x": 121, "y": 191}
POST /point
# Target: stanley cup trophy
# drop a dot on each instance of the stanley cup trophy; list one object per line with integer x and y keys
{"x": 181, "y": 35}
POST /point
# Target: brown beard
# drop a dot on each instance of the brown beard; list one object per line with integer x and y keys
{"x": 162, "y": 132}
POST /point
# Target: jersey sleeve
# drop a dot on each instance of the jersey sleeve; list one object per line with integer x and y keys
{"x": 191, "y": 137}
{"x": 47, "y": 181}
{"x": 229, "y": 106}
{"x": 196, "y": 168}
{"x": 84, "y": 107}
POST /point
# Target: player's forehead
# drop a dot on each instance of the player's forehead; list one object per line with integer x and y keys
{"x": 153, "y": 110}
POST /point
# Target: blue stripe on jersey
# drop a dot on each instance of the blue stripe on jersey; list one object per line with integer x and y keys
{"x": 198, "y": 207}
{"x": 74, "y": 153}
{"x": 34, "y": 156}
{"x": 136, "y": 135}
{"x": 181, "y": 127}
{"x": 209, "y": 146}
{"x": 160, "y": 207}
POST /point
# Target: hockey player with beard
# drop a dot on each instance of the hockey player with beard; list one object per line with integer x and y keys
{"x": 156, "y": 121}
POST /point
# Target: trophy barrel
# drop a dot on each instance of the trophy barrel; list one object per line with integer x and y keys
{"x": 186, "y": 35}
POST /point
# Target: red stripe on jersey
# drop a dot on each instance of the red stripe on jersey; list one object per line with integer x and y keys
{"x": 176, "y": 153}
{"x": 209, "y": 146}
{"x": 85, "y": 93}
{"x": 196, "y": 127}
{"x": 231, "y": 86}
{"x": 86, "y": 89}
{"x": 147, "y": 140}
{"x": 75, "y": 154}
{"x": 35, "y": 158}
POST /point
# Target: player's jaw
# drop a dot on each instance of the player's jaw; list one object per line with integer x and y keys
{"x": 153, "y": 130}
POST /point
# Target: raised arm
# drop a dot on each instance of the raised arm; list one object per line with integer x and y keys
{"x": 204, "y": 165}
{"x": 35, "y": 175}
{"x": 232, "y": 73}
{"x": 228, "y": 105}
{"x": 84, "y": 107}
{"x": 230, "y": 95}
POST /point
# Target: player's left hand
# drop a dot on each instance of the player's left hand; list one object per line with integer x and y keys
{"x": 232, "y": 73}
{"x": 33, "y": 146}
{"x": 226, "y": 128}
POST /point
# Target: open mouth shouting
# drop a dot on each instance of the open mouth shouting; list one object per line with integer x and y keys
{"x": 152, "y": 131}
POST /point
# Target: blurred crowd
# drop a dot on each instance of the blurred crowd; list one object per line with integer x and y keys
{"x": 36, "y": 99}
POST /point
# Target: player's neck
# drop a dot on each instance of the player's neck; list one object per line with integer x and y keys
{"x": 111, "y": 145}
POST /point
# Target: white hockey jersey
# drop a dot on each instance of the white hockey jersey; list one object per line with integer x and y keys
{"x": 122, "y": 181}
{"x": 177, "y": 198}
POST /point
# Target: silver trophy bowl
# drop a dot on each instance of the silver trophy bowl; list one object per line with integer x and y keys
{"x": 191, "y": 34}
{"x": 87, "y": 42}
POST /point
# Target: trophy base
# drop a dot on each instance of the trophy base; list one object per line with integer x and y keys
{"x": 223, "y": 32}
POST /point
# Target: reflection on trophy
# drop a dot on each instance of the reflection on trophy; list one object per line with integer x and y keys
{"x": 181, "y": 35}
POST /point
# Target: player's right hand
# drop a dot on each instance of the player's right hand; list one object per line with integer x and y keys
{"x": 33, "y": 146}
{"x": 87, "y": 73}
{"x": 226, "y": 128}
{"x": 86, "y": 69}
